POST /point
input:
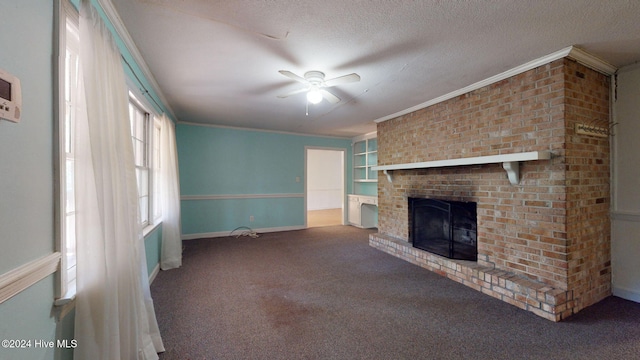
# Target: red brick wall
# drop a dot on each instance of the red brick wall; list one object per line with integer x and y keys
{"x": 553, "y": 226}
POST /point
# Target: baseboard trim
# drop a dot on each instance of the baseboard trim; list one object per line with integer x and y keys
{"x": 19, "y": 279}
{"x": 628, "y": 294}
{"x": 228, "y": 233}
{"x": 625, "y": 216}
{"x": 154, "y": 273}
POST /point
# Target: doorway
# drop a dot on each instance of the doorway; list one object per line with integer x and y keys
{"x": 324, "y": 186}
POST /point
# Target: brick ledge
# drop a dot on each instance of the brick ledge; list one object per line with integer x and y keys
{"x": 536, "y": 297}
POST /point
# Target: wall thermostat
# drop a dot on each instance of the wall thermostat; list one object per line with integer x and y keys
{"x": 10, "y": 97}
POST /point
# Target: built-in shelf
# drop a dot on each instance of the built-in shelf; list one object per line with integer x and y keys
{"x": 510, "y": 163}
{"x": 365, "y": 156}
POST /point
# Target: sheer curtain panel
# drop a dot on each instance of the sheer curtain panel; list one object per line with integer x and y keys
{"x": 170, "y": 192}
{"x": 114, "y": 312}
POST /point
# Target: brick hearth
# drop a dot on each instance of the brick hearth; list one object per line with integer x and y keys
{"x": 534, "y": 296}
{"x": 544, "y": 243}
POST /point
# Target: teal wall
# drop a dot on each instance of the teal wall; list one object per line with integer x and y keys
{"x": 370, "y": 189}
{"x": 26, "y": 173}
{"x": 152, "y": 246}
{"x": 26, "y": 178}
{"x": 241, "y": 173}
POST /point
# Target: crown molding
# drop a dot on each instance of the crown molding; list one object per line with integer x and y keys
{"x": 115, "y": 19}
{"x": 572, "y": 52}
{"x": 261, "y": 130}
{"x": 591, "y": 61}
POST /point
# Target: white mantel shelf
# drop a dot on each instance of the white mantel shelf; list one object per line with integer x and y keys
{"x": 510, "y": 163}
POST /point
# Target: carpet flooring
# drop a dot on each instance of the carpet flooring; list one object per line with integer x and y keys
{"x": 324, "y": 293}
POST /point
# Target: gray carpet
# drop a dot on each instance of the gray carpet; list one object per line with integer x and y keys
{"x": 324, "y": 293}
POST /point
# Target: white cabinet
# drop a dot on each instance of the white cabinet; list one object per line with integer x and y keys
{"x": 363, "y": 211}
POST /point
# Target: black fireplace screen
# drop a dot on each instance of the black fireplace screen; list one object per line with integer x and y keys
{"x": 446, "y": 228}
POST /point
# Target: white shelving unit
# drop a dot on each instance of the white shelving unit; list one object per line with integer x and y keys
{"x": 365, "y": 157}
{"x": 363, "y": 202}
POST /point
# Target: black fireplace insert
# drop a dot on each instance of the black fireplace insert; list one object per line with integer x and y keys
{"x": 445, "y": 228}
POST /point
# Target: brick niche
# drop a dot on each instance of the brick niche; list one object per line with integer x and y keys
{"x": 543, "y": 244}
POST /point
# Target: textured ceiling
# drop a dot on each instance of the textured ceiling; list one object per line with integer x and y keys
{"x": 217, "y": 61}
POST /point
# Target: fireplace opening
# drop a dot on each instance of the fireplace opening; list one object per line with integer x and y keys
{"x": 445, "y": 228}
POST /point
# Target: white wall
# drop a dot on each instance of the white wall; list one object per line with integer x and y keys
{"x": 625, "y": 215}
{"x": 325, "y": 179}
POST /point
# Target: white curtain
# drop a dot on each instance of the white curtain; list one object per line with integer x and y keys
{"x": 170, "y": 193}
{"x": 114, "y": 311}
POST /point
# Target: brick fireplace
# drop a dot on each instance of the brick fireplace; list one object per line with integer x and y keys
{"x": 544, "y": 242}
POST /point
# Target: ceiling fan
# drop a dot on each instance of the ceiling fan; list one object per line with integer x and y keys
{"x": 316, "y": 85}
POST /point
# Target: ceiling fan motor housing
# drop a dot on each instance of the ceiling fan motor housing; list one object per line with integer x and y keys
{"x": 314, "y": 77}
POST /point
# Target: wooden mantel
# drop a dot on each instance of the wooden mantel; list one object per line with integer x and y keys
{"x": 510, "y": 163}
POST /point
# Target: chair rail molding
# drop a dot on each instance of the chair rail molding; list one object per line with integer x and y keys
{"x": 17, "y": 280}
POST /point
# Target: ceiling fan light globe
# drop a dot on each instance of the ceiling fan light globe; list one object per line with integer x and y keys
{"x": 314, "y": 96}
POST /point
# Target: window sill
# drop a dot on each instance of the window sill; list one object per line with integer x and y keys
{"x": 150, "y": 228}
{"x": 65, "y": 304}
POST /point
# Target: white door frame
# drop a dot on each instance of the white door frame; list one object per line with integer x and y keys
{"x": 344, "y": 179}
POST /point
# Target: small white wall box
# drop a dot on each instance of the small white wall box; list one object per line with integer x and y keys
{"x": 10, "y": 97}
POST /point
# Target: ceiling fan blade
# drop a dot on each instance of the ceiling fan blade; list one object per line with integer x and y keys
{"x": 293, "y": 76}
{"x": 329, "y": 96}
{"x": 342, "y": 80}
{"x": 293, "y": 93}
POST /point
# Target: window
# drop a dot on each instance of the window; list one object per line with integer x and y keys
{"x": 69, "y": 91}
{"x": 144, "y": 151}
{"x": 145, "y": 134}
